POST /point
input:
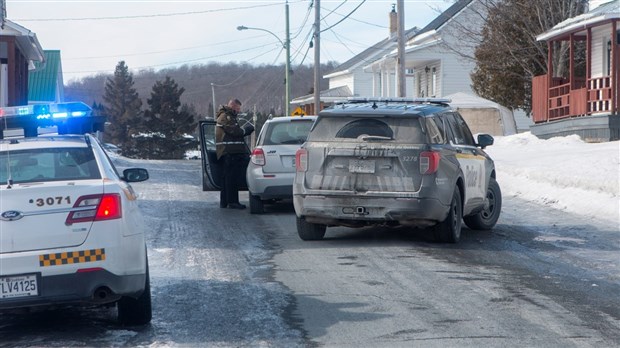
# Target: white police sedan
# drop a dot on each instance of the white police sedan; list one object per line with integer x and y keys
{"x": 71, "y": 230}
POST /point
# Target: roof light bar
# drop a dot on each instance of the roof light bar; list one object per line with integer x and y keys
{"x": 395, "y": 100}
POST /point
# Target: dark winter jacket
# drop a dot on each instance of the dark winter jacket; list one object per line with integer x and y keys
{"x": 228, "y": 133}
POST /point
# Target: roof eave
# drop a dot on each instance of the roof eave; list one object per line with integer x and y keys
{"x": 552, "y": 34}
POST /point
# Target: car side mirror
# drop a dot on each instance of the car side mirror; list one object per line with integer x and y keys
{"x": 135, "y": 174}
{"x": 485, "y": 140}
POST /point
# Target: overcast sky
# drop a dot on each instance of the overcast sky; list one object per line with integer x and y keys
{"x": 93, "y": 35}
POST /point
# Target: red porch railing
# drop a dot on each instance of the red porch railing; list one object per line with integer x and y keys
{"x": 564, "y": 98}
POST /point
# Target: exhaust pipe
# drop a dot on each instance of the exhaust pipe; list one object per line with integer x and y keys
{"x": 102, "y": 294}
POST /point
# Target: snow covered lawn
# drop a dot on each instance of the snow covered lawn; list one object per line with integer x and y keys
{"x": 564, "y": 173}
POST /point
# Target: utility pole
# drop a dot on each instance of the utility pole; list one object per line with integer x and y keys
{"x": 400, "y": 61}
{"x": 317, "y": 56}
{"x": 213, "y": 95}
{"x": 2, "y": 13}
{"x": 287, "y": 43}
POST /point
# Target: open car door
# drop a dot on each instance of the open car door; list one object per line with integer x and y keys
{"x": 211, "y": 168}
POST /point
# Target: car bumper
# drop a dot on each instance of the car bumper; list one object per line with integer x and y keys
{"x": 339, "y": 210}
{"x": 270, "y": 186}
{"x": 74, "y": 275}
{"x": 85, "y": 288}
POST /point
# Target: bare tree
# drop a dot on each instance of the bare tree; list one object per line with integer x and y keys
{"x": 500, "y": 36}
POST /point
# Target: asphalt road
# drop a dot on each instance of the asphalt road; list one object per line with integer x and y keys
{"x": 225, "y": 278}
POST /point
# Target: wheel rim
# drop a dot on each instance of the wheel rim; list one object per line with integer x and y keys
{"x": 488, "y": 211}
{"x": 456, "y": 219}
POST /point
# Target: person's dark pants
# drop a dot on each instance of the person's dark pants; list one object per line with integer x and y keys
{"x": 233, "y": 174}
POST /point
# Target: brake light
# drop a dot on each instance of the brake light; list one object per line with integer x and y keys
{"x": 258, "y": 157}
{"x": 95, "y": 208}
{"x": 429, "y": 162}
{"x": 301, "y": 160}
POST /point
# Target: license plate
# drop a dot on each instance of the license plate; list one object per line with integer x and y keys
{"x": 18, "y": 286}
{"x": 361, "y": 166}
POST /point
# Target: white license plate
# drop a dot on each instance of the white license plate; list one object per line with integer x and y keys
{"x": 18, "y": 286}
{"x": 361, "y": 166}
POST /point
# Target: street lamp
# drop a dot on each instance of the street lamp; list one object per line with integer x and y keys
{"x": 285, "y": 44}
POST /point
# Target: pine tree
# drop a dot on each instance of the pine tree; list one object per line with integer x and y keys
{"x": 123, "y": 109}
{"x": 169, "y": 124}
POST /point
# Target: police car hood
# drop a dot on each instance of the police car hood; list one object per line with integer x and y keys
{"x": 33, "y": 216}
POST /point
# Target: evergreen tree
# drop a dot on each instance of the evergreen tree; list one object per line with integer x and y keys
{"x": 169, "y": 123}
{"x": 122, "y": 106}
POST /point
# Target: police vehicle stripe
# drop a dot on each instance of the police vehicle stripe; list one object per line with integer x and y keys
{"x": 72, "y": 257}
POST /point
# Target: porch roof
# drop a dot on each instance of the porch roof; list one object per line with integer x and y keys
{"x": 26, "y": 39}
{"x": 603, "y": 13}
{"x": 327, "y": 96}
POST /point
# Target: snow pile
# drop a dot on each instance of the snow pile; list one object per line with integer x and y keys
{"x": 563, "y": 173}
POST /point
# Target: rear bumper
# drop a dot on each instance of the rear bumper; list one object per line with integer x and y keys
{"x": 89, "y": 288}
{"x": 345, "y": 210}
{"x": 270, "y": 186}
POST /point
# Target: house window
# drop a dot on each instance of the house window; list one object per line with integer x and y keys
{"x": 608, "y": 58}
{"x": 434, "y": 83}
{"x": 418, "y": 83}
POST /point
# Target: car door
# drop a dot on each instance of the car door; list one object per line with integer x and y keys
{"x": 471, "y": 159}
{"x": 211, "y": 168}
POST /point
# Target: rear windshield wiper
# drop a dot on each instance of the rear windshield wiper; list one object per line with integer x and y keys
{"x": 375, "y": 137}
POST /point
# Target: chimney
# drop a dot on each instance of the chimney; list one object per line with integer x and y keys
{"x": 393, "y": 22}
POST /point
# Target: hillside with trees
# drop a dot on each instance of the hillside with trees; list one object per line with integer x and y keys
{"x": 151, "y": 113}
{"x": 259, "y": 88}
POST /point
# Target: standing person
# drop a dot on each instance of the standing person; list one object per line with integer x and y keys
{"x": 232, "y": 152}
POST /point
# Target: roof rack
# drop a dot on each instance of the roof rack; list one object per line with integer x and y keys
{"x": 355, "y": 100}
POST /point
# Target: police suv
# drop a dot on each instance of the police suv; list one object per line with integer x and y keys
{"x": 394, "y": 162}
{"x": 71, "y": 232}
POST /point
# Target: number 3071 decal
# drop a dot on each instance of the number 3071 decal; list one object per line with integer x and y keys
{"x": 40, "y": 202}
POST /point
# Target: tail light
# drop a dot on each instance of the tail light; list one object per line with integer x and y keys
{"x": 258, "y": 157}
{"x": 301, "y": 160}
{"x": 95, "y": 208}
{"x": 429, "y": 162}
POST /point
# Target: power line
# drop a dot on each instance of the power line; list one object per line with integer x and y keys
{"x": 345, "y": 17}
{"x": 163, "y": 51}
{"x": 181, "y": 62}
{"x": 142, "y": 16}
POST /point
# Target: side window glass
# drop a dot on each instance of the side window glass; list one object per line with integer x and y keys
{"x": 458, "y": 137}
{"x": 468, "y": 138}
{"x": 434, "y": 132}
{"x": 444, "y": 127}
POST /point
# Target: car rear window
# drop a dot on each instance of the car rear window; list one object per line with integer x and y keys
{"x": 346, "y": 128}
{"x": 283, "y": 133}
{"x": 41, "y": 165}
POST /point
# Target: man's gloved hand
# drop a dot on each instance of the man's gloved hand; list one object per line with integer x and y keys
{"x": 248, "y": 128}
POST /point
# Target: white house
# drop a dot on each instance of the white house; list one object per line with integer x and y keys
{"x": 349, "y": 78}
{"x": 435, "y": 58}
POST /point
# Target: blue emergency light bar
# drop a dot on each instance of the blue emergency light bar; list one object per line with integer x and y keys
{"x": 68, "y": 118}
{"x": 48, "y": 111}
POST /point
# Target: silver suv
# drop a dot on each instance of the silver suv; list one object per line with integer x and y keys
{"x": 394, "y": 163}
{"x": 271, "y": 169}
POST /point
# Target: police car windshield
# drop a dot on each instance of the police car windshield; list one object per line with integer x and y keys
{"x": 49, "y": 164}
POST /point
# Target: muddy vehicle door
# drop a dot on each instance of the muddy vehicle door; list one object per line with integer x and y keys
{"x": 211, "y": 168}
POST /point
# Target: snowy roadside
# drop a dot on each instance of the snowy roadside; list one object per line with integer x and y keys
{"x": 564, "y": 173}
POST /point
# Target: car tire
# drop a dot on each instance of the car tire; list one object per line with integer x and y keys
{"x": 449, "y": 230}
{"x": 487, "y": 218}
{"x": 136, "y": 311}
{"x": 310, "y": 231}
{"x": 256, "y": 204}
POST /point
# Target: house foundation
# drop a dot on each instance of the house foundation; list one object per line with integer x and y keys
{"x": 593, "y": 128}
